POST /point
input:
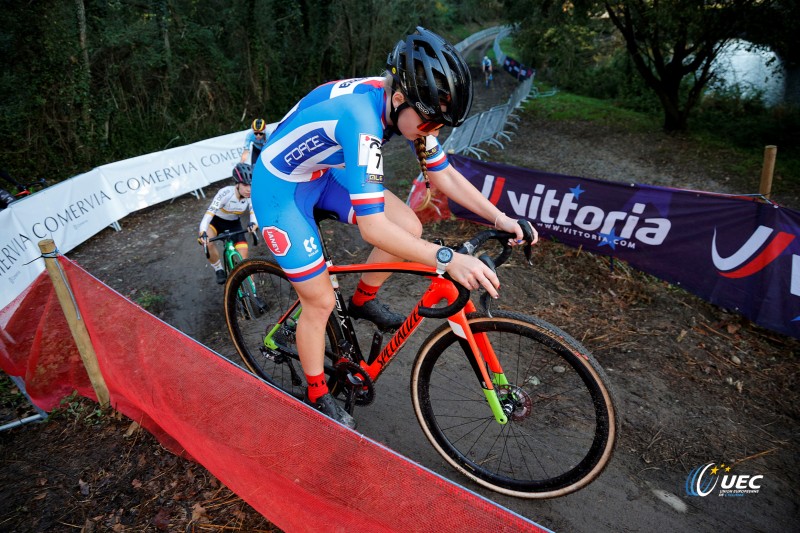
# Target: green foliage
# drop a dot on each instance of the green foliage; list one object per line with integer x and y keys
{"x": 569, "y": 106}
{"x": 10, "y": 396}
{"x": 80, "y": 410}
{"x": 671, "y": 46}
{"x": 151, "y": 301}
{"x": 615, "y": 78}
{"x": 559, "y": 40}
{"x": 726, "y": 121}
{"x": 728, "y": 117}
{"x": 473, "y": 15}
{"x": 165, "y": 73}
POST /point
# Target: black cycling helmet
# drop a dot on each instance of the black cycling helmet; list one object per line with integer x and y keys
{"x": 432, "y": 76}
{"x": 243, "y": 173}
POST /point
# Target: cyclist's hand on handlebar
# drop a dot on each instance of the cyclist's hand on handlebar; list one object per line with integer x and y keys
{"x": 252, "y": 227}
{"x": 472, "y": 273}
{"x": 202, "y": 239}
{"x": 506, "y": 223}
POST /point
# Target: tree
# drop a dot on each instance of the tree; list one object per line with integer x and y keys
{"x": 86, "y": 82}
{"x": 671, "y": 43}
{"x": 775, "y": 26}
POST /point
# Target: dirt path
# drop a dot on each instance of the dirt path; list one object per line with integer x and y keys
{"x": 695, "y": 384}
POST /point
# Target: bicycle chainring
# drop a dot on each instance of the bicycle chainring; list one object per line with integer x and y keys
{"x": 355, "y": 382}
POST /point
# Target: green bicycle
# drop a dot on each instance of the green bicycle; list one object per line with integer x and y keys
{"x": 248, "y": 303}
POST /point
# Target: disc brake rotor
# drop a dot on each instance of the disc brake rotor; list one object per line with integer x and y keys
{"x": 515, "y": 401}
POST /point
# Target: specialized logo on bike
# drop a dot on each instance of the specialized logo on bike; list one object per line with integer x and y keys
{"x": 705, "y": 479}
{"x": 277, "y": 240}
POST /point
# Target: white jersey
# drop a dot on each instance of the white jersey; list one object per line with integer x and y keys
{"x": 227, "y": 206}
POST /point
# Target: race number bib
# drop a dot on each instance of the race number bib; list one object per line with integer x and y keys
{"x": 369, "y": 154}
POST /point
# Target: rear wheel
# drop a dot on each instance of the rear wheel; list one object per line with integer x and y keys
{"x": 562, "y": 425}
{"x": 266, "y": 340}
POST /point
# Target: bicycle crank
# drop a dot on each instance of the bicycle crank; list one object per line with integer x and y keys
{"x": 358, "y": 386}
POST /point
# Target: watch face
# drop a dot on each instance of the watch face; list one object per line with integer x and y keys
{"x": 444, "y": 255}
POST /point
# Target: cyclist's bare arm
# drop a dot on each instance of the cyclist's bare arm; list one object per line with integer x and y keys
{"x": 380, "y": 231}
{"x": 456, "y": 187}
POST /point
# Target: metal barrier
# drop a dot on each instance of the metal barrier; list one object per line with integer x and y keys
{"x": 489, "y": 126}
{"x": 495, "y": 124}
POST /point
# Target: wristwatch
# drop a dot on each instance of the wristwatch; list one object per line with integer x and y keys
{"x": 443, "y": 257}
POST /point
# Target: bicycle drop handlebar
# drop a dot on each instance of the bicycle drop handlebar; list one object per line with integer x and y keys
{"x": 230, "y": 235}
{"x": 470, "y": 247}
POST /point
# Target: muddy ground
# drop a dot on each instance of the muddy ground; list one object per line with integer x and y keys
{"x": 695, "y": 384}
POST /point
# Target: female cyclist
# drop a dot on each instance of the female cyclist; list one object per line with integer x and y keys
{"x": 326, "y": 153}
{"x": 228, "y": 205}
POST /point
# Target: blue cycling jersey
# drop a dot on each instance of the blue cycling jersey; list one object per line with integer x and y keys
{"x": 325, "y": 153}
{"x": 257, "y": 142}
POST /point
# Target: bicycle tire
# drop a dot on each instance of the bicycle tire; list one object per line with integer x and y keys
{"x": 279, "y": 365}
{"x": 245, "y": 294}
{"x": 559, "y": 436}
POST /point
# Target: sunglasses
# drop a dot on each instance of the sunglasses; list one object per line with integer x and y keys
{"x": 259, "y": 134}
{"x": 427, "y": 125}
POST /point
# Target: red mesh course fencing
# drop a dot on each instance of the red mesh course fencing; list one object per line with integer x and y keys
{"x": 300, "y": 470}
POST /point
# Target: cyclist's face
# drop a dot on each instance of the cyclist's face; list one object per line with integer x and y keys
{"x": 244, "y": 190}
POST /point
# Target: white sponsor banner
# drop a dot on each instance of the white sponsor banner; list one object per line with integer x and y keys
{"x": 219, "y": 155}
{"x": 74, "y": 210}
{"x": 147, "y": 180}
{"x": 16, "y": 249}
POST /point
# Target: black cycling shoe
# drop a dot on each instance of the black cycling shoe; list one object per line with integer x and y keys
{"x": 221, "y": 277}
{"x": 377, "y": 313}
{"x": 326, "y": 405}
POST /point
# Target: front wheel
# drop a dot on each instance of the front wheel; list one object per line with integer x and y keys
{"x": 562, "y": 424}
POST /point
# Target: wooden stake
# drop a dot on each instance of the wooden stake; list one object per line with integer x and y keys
{"x": 765, "y": 188}
{"x": 76, "y": 324}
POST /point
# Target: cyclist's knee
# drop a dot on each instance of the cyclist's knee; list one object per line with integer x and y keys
{"x": 411, "y": 223}
{"x": 416, "y": 227}
{"x": 316, "y": 296}
{"x": 319, "y": 307}
{"x": 401, "y": 214}
{"x": 213, "y": 253}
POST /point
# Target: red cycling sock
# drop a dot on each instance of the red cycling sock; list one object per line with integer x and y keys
{"x": 364, "y": 293}
{"x": 317, "y": 387}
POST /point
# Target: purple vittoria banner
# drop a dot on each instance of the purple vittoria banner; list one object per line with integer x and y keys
{"x": 736, "y": 253}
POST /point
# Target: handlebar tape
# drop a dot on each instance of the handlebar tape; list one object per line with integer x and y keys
{"x": 448, "y": 310}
